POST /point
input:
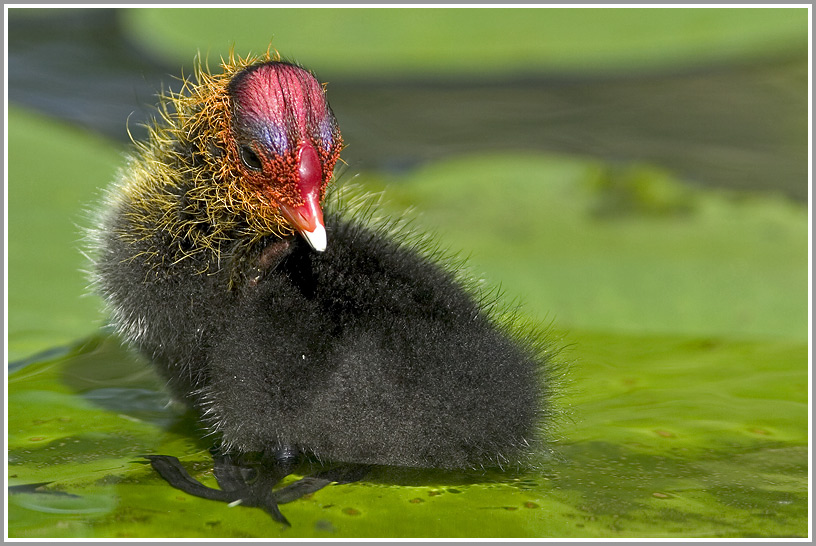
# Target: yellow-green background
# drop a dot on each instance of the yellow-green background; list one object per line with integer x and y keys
{"x": 684, "y": 318}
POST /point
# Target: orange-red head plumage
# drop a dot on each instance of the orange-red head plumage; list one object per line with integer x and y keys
{"x": 286, "y": 138}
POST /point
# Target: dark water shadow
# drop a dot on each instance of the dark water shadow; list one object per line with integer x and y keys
{"x": 109, "y": 375}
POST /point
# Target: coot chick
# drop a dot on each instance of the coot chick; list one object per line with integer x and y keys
{"x": 293, "y": 333}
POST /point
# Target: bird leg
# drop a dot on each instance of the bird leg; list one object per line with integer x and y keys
{"x": 250, "y": 484}
{"x": 309, "y": 484}
{"x": 176, "y": 475}
{"x": 240, "y": 483}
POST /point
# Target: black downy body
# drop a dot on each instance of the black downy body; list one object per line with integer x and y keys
{"x": 371, "y": 352}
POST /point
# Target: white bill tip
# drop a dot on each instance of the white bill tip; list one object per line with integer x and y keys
{"x": 316, "y": 238}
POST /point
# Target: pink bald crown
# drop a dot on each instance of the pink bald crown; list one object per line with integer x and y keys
{"x": 288, "y": 102}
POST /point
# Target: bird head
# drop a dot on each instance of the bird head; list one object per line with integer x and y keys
{"x": 285, "y": 141}
{"x": 236, "y": 157}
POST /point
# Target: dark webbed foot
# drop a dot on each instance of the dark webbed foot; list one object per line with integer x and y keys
{"x": 310, "y": 484}
{"x": 251, "y": 483}
{"x": 176, "y": 475}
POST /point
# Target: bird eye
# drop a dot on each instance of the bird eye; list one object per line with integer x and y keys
{"x": 250, "y": 159}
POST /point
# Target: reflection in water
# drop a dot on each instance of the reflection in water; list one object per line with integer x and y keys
{"x": 733, "y": 126}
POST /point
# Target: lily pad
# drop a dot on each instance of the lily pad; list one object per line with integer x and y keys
{"x": 475, "y": 41}
{"x": 655, "y": 439}
{"x": 671, "y": 259}
{"x": 56, "y": 172}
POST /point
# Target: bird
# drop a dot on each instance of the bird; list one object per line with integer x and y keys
{"x": 293, "y": 322}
